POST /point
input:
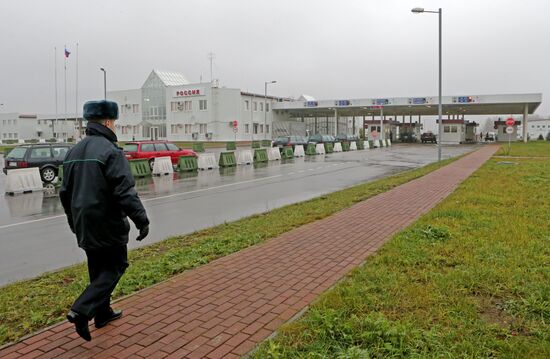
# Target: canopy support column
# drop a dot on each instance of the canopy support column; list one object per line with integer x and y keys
{"x": 525, "y": 113}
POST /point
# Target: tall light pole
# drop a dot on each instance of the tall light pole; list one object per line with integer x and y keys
{"x": 104, "y": 82}
{"x": 265, "y": 107}
{"x": 419, "y": 10}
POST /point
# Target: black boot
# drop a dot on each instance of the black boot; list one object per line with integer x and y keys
{"x": 81, "y": 325}
{"x": 102, "y": 319}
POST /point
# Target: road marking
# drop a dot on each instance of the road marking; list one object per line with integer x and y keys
{"x": 209, "y": 188}
{"x": 149, "y": 200}
{"x": 33, "y": 221}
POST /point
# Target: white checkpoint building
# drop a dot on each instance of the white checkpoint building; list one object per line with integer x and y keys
{"x": 169, "y": 107}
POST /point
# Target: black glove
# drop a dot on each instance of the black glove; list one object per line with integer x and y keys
{"x": 143, "y": 232}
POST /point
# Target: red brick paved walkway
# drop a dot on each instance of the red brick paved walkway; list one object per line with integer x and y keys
{"x": 223, "y": 309}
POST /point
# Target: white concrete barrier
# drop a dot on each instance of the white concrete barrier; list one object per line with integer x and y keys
{"x": 21, "y": 142}
{"x": 245, "y": 157}
{"x": 383, "y": 143}
{"x": 353, "y": 146}
{"x": 273, "y": 154}
{"x": 207, "y": 161}
{"x": 23, "y": 180}
{"x": 375, "y": 144}
{"x": 299, "y": 151}
{"x": 366, "y": 145}
{"x": 388, "y": 142}
{"x": 42, "y": 140}
{"x": 320, "y": 149}
{"x": 163, "y": 166}
{"x": 337, "y": 147}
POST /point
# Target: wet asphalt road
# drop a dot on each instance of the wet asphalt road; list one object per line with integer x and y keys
{"x": 34, "y": 236}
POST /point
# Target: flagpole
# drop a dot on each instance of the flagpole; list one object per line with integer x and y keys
{"x": 65, "y": 86}
{"x": 55, "y": 81}
{"x": 76, "y": 95}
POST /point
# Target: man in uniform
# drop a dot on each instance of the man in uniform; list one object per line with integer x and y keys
{"x": 98, "y": 194}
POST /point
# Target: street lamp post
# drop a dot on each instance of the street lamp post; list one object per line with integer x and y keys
{"x": 419, "y": 10}
{"x": 265, "y": 107}
{"x": 104, "y": 82}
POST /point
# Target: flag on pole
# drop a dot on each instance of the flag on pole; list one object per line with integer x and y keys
{"x": 67, "y": 53}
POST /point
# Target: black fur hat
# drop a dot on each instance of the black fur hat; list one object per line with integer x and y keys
{"x": 100, "y": 110}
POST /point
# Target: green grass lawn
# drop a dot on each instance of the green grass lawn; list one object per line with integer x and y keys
{"x": 33, "y": 304}
{"x": 471, "y": 279}
{"x": 529, "y": 149}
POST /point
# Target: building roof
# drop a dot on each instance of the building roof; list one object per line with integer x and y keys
{"x": 305, "y": 97}
{"x": 171, "y": 78}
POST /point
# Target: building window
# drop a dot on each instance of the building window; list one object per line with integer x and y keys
{"x": 261, "y": 128}
{"x": 202, "y": 105}
{"x": 246, "y": 128}
{"x": 267, "y": 107}
{"x": 135, "y": 108}
{"x": 454, "y": 129}
{"x": 176, "y": 106}
{"x": 261, "y": 106}
{"x": 246, "y": 105}
{"x": 187, "y": 128}
{"x": 255, "y": 106}
{"x": 174, "y": 128}
{"x": 266, "y": 127}
{"x": 188, "y": 105}
{"x": 255, "y": 128}
{"x": 202, "y": 128}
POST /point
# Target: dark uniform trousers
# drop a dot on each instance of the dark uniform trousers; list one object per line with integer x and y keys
{"x": 105, "y": 268}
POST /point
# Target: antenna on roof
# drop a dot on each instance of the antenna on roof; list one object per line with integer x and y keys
{"x": 211, "y": 57}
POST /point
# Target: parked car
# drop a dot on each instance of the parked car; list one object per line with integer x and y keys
{"x": 283, "y": 141}
{"x": 318, "y": 138}
{"x": 428, "y": 137}
{"x": 346, "y": 138}
{"x": 150, "y": 149}
{"x": 490, "y": 136}
{"x": 410, "y": 137}
{"x": 46, "y": 156}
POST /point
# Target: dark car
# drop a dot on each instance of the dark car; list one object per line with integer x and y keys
{"x": 346, "y": 138}
{"x": 428, "y": 137}
{"x": 47, "y": 157}
{"x": 409, "y": 137}
{"x": 318, "y": 138}
{"x": 150, "y": 149}
{"x": 283, "y": 141}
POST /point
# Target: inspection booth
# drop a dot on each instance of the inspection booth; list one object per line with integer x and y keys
{"x": 380, "y": 130}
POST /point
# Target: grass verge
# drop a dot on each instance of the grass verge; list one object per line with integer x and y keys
{"x": 470, "y": 279}
{"x": 529, "y": 149}
{"x": 33, "y": 304}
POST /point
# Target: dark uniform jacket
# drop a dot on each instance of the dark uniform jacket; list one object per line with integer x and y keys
{"x": 98, "y": 191}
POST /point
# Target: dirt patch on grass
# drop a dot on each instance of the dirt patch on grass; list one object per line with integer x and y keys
{"x": 491, "y": 312}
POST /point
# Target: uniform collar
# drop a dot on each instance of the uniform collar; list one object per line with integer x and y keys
{"x": 97, "y": 129}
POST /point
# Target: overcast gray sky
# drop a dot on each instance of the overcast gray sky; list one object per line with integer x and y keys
{"x": 327, "y": 49}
